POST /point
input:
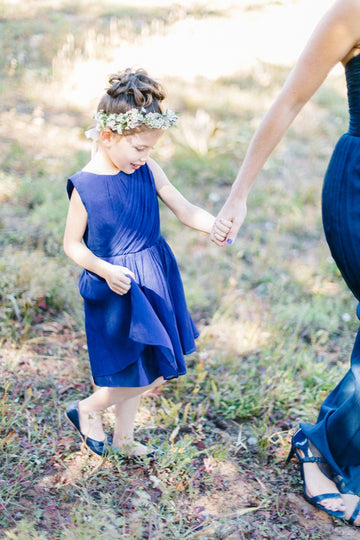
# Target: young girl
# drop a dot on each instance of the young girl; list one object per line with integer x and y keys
{"x": 137, "y": 324}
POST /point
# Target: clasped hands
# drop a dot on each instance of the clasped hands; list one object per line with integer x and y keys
{"x": 229, "y": 221}
{"x": 220, "y": 230}
{"x": 118, "y": 277}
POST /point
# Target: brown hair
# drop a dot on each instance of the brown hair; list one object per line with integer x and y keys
{"x": 132, "y": 89}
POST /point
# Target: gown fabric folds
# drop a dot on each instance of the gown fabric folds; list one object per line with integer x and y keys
{"x": 137, "y": 337}
{"x": 336, "y": 433}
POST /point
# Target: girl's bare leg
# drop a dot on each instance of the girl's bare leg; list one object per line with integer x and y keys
{"x": 125, "y": 413}
{"x": 101, "y": 399}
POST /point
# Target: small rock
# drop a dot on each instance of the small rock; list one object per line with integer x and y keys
{"x": 252, "y": 441}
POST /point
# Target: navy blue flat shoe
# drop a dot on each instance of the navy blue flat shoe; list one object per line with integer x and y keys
{"x": 156, "y": 452}
{"x": 299, "y": 443}
{"x": 98, "y": 447}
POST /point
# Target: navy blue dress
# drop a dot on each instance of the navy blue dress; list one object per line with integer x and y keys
{"x": 337, "y": 431}
{"x": 134, "y": 338}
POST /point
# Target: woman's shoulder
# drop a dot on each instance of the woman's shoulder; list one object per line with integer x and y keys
{"x": 355, "y": 3}
{"x": 348, "y": 7}
{"x": 346, "y": 11}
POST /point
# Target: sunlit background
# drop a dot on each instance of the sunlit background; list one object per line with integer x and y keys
{"x": 276, "y": 321}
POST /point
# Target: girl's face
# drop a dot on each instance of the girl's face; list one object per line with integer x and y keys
{"x": 127, "y": 153}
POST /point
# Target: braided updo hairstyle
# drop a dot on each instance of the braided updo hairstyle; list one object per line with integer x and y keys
{"x": 132, "y": 89}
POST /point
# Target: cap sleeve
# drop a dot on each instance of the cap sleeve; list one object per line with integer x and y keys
{"x": 79, "y": 182}
{"x": 69, "y": 187}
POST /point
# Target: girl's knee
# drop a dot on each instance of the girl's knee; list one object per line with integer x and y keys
{"x": 158, "y": 382}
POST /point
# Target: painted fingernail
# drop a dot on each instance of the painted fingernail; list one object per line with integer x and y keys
{"x": 229, "y": 241}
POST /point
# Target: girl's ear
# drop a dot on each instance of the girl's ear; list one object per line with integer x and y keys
{"x": 106, "y": 137}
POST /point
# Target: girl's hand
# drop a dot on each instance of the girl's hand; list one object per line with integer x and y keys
{"x": 118, "y": 279}
{"x": 220, "y": 230}
{"x": 233, "y": 213}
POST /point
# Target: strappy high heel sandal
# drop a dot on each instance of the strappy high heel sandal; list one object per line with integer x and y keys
{"x": 299, "y": 443}
{"x": 354, "y": 514}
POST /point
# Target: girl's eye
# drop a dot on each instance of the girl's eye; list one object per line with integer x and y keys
{"x": 139, "y": 149}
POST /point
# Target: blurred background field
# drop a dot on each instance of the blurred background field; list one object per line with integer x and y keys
{"x": 277, "y": 323}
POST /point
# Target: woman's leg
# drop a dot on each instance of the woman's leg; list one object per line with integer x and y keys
{"x": 101, "y": 399}
{"x": 352, "y": 508}
{"x": 336, "y": 435}
{"x": 317, "y": 483}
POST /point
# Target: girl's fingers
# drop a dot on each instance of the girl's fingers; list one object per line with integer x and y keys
{"x": 225, "y": 223}
{"x": 121, "y": 285}
{"x": 121, "y": 289}
{"x": 222, "y": 227}
{"x": 128, "y": 272}
{"x": 220, "y": 235}
{"x": 221, "y": 230}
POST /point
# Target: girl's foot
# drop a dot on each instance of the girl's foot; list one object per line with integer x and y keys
{"x": 352, "y": 508}
{"x": 91, "y": 424}
{"x": 131, "y": 448}
{"x": 73, "y": 415}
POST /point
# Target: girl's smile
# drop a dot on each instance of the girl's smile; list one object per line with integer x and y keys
{"x": 127, "y": 153}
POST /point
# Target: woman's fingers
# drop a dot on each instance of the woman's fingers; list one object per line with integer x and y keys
{"x": 233, "y": 232}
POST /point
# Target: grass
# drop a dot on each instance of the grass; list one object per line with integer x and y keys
{"x": 277, "y": 323}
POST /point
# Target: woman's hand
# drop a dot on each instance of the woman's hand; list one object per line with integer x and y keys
{"x": 229, "y": 220}
{"x": 117, "y": 277}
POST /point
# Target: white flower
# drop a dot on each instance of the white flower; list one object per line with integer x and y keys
{"x": 134, "y": 118}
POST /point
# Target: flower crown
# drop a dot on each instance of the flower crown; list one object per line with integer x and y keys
{"x": 134, "y": 118}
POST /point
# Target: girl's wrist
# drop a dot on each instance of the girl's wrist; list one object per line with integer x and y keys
{"x": 103, "y": 269}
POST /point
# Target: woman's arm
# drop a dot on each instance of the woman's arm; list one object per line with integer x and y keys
{"x": 76, "y": 223}
{"x": 189, "y": 214}
{"x": 334, "y": 37}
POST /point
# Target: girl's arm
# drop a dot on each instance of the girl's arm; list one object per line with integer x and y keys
{"x": 337, "y": 34}
{"x": 76, "y": 223}
{"x": 189, "y": 214}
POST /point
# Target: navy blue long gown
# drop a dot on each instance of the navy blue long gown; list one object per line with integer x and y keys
{"x": 134, "y": 338}
{"x": 337, "y": 431}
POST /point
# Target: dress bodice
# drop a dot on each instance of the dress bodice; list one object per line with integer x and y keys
{"x": 352, "y": 71}
{"x": 123, "y": 211}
